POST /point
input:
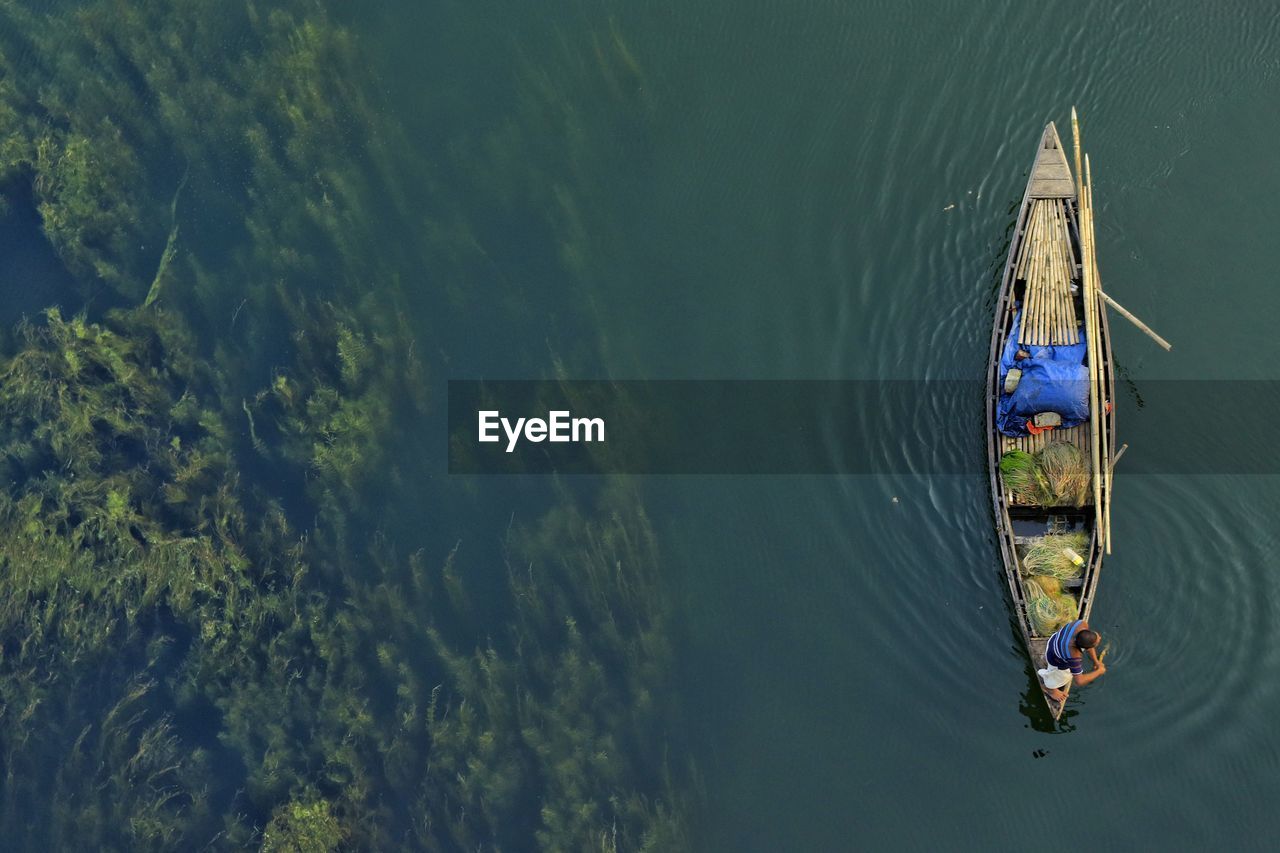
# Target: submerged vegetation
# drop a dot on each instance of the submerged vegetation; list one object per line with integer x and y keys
{"x": 207, "y": 638}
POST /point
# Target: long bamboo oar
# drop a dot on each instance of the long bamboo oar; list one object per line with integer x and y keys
{"x": 1106, "y": 427}
{"x": 1075, "y": 136}
{"x": 1124, "y": 312}
{"x": 1116, "y": 458}
{"x": 1103, "y": 439}
{"x": 1091, "y": 333}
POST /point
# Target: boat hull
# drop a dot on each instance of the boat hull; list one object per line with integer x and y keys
{"x": 1044, "y": 182}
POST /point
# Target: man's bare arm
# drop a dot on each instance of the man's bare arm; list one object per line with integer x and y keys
{"x": 1099, "y": 669}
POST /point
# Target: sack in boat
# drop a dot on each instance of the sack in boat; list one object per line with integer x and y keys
{"x": 1054, "y": 678}
{"x": 1054, "y": 379}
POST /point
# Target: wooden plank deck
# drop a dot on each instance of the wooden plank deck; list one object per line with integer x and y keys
{"x": 1077, "y": 435}
{"x": 1050, "y": 175}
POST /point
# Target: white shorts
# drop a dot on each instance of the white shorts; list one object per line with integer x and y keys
{"x": 1054, "y": 678}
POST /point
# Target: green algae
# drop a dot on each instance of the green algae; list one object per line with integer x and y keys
{"x": 303, "y": 827}
{"x": 182, "y": 662}
{"x": 175, "y": 590}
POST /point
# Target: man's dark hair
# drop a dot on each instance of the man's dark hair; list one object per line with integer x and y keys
{"x": 1086, "y": 639}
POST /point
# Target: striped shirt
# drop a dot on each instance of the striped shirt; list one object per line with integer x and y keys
{"x": 1058, "y": 652}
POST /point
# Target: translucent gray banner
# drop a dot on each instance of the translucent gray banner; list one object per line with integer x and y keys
{"x": 827, "y": 427}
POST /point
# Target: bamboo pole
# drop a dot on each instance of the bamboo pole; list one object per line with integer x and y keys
{"x": 1051, "y": 276}
{"x": 1124, "y": 312}
{"x": 1046, "y": 261}
{"x": 1021, "y": 271}
{"x": 1028, "y": 234}
{"x": 1024, "y": 264}
{"x": 1116, "y": 458}
{"x": 1038, "y": 289}
{"x": 1104, "y": 443}
{"x": 1091, "y": 334}
{"x": 1028, "y": 303}
{"x": 1059, "y": 268}
{"x": 1050, "y": 253}
{"x": 1051, "y": 272}
{"x": 1075, "y": 139}
{"x": 1024, "y": 261}
{"x": 1033, "y": 272}
{"x": 1068, "y": 310}
{"x": 1071, "y": 270}
{"x": 1098, "y": 307}
{"x": 1026, "y": 333}
{"x": 1103, "y": 391}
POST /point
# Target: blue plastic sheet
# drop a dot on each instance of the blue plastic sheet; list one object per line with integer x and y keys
{"x": 1054, "y": 379}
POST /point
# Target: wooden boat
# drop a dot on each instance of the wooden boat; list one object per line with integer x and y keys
{"x": 1045, "y": 279}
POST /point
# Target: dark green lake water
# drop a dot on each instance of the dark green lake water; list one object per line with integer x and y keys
{"x": 827, "y": 193}
{"x": 824, "y": 190}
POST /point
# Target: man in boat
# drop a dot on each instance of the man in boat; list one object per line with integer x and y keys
{"x": 1064, "y": 659}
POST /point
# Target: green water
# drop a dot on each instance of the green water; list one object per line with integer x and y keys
{"x": 364, "y": 204}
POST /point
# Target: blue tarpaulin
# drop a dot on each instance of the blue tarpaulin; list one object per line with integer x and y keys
{"x": 1054, "y": 379}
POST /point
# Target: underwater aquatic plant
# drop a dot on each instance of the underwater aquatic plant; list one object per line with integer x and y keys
{"x": 195, "y": 668}
{"x": 303, "y": 825}
{"x": 100, "y": 556}
{"x": 174, "y": 577}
